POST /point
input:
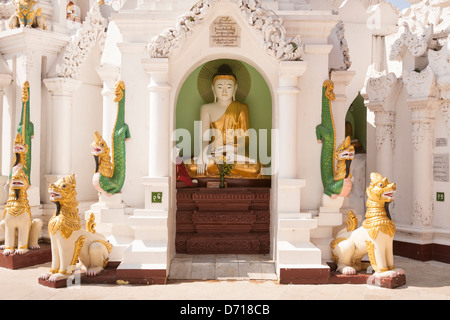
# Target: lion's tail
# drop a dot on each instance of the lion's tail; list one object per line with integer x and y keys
{"x": 352, "y": 221}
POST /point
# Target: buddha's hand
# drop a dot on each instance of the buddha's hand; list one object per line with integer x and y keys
{"x": 201, "y": 167}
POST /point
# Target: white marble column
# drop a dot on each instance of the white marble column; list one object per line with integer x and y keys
{"x": 340, "y": 104}
{"x": 23, "y": 50}
{"x": 159, "y": 146}
{"x": 5, "y": 80}
{"x": 295, "y": 254}
{"x": 61, "y": 91}
{"x": 288, "y": 105}
{"x": 148, "y": 253}
{"x": 110, "y": 211}
{"x": 423, "y": 105}
{"x": 109, "y": 76}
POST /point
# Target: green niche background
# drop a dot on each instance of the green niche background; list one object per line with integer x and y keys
{"x": 259, "y": 101}
{"x": 357, "y": 117}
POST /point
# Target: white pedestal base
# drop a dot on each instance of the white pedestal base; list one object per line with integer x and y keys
{"x": 112, "y": 221}
{"x": 328, "y": 218}
{"x": 294, "y": 248}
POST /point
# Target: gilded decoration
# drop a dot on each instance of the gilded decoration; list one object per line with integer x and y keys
{"x": 67, "y": 237}
{"x": 27, "y": 15}
{"x": 110, "y": 168}
{"x": 21, "y": 231}
{"x": 227, "y": 121}
{"x": 374, "y": 237}
{"x": 334, "y": 162}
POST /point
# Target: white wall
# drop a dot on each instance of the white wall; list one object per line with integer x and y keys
{"x": 87, "y": 109}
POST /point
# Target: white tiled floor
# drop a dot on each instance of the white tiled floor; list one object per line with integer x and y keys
{"x": 424, "y": 281}
{"x": 222, "y": 267}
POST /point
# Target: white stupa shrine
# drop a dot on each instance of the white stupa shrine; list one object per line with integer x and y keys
{"x": 390, "y": 70}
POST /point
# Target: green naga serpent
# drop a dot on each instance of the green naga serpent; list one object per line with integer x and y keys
{"x": 25, "y": 132}
{"x": 109, "y": 175}
{"x": 336, "y": 178}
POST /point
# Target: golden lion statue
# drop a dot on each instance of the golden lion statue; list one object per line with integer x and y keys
{"x": 21, "y": 231}
{"x": 375, "y": 236}
{"x": 68, "y": 241}
{"x": 27, "y": 16}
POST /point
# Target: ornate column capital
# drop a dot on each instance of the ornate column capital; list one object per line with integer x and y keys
{"x": 62, "y": 86}
{"x": 382, "y": 90}
{"x": 109, "y": 75}
{"x": 158, "y": 69}
{"x": 289, "y": 73}
{"x": 445, "y": 112}
{"x": 420, "y": 85}
{"x": 439, "y": 62}
{"x": 341, "y": 80}
{"x": 423, "y": 112}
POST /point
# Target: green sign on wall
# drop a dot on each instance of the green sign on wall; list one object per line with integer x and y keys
{"x": 156, "y": 197}
{"x": 440, "y": 196}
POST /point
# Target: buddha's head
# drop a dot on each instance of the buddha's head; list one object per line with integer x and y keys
{"x": 224, "y": 85}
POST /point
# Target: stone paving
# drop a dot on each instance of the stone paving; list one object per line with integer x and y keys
{"x": 424, "y": 281}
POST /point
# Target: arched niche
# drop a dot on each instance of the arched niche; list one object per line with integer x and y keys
{"x": 356, "y": 124}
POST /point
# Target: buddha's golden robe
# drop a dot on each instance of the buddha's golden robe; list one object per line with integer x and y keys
{"x": 236, "y": 117}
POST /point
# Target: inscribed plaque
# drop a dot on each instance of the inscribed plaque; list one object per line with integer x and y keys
{"x": 441, "y": 142}
{"x": 224, "y": 32}
{"x": 440, "y": 167}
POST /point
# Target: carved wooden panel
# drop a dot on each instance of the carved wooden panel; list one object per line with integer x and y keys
{"x": 231, "y": 220}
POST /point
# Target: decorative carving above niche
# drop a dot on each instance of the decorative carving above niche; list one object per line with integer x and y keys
{"x": 91, "y": 32}
{"x": 439, "y": 62}
{"x": 420, "y": 84}
{"x": 266, "y": 23}
{"x": 417, "y": 45}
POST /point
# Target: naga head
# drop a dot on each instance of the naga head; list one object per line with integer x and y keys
{"x": 20, "y": 148}
{"x": 19, "y": 182}
{"x": 63, "y": 192}
{"x": 99, "y": 146}
{"x": 345, "y": 152}
{"x": 99, "y": 150}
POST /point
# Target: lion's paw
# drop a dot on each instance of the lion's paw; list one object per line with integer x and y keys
{"x": 93, "y": 271}
{"x": 348, "y": 271}
{"x": 57, "y": 276}
{"x": 7, "y": 252}
{"x": 45, "y": 276}
{"x": 35, "y": 247}
{"x": 21, "y": 251}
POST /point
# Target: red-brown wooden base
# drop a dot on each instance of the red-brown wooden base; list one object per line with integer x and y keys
{"x": 330, "y": 276}
{"x": 422, "y": 252}
{"x": 111, "y": 275}
{"x": 304, "y": 276}
{"x": 31, "y": 258}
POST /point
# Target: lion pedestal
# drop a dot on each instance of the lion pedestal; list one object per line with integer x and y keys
{"x": 70, "y": 243}
{"x": 20, "y": 229}
{"x": 374, "y": 238}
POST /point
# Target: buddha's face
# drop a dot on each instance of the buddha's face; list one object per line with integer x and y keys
{"x": 224, "y": 89}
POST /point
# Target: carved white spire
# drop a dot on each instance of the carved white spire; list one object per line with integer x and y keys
{"x": 92, "y": 32}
